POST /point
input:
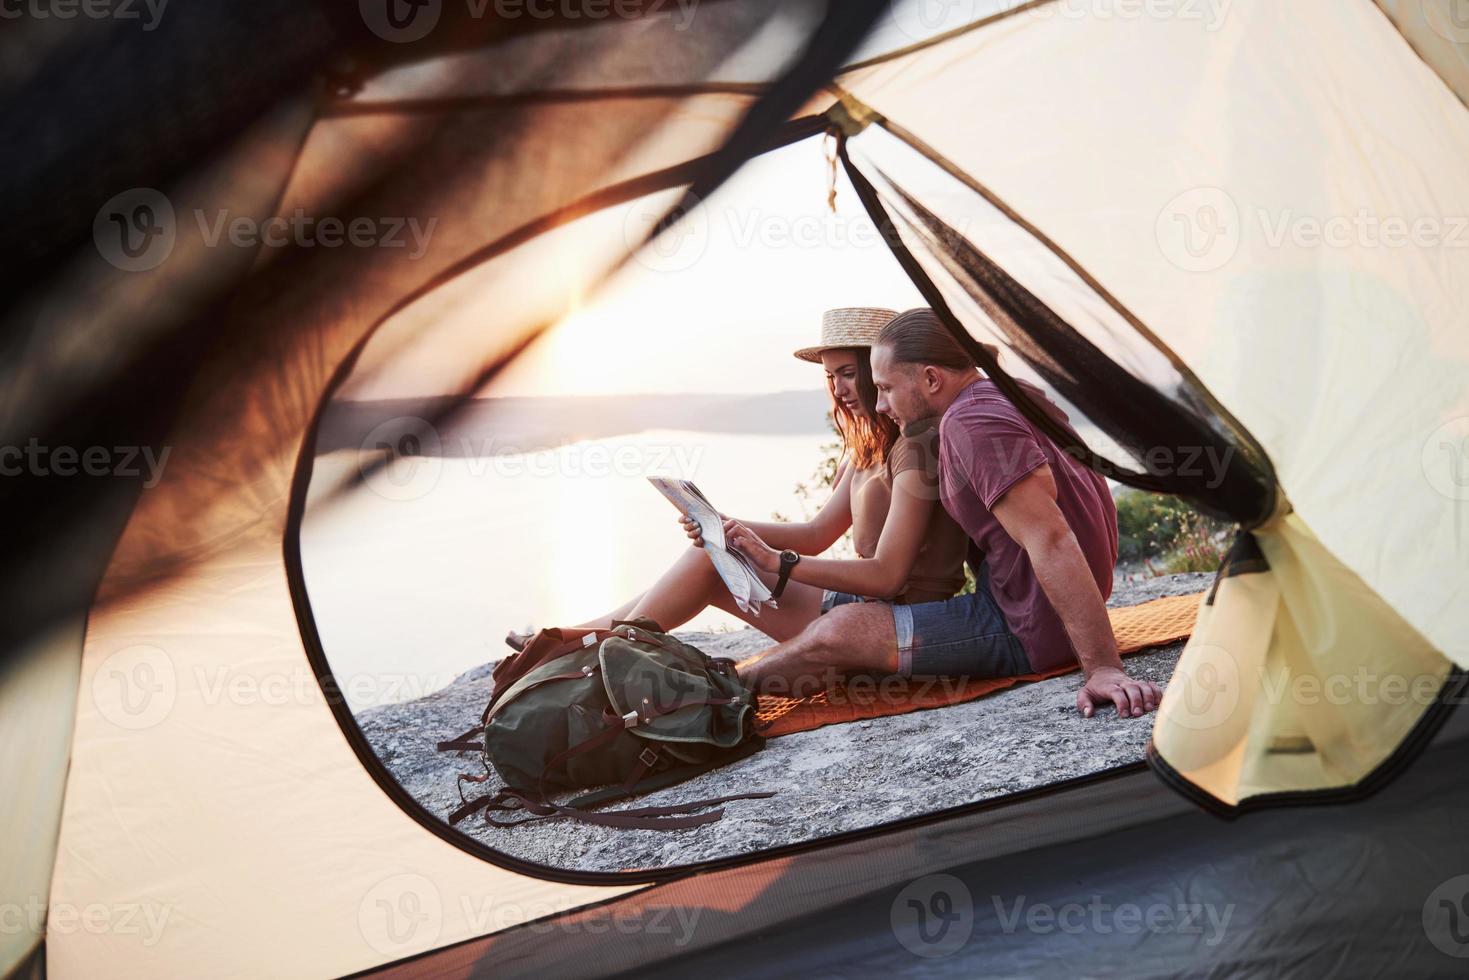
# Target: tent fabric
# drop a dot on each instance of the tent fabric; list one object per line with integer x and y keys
{"x": 1123, "y": 167}
{"x": 207, "y": 766}
{"x": 213, "y": 785}
{"x": 1299, "y": 678}
{"x": 741, "y": 904}
{"x": 1364, "y": 890}
{"x": 828, "y": 912}
{"x": 1148, "y": 406}
{"x": 1138, "y": 628}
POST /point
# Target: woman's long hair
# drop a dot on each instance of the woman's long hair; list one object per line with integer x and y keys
{"x": 868, "y": 436}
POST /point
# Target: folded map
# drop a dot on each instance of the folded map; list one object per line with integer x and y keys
{"x": 740, "y": 577}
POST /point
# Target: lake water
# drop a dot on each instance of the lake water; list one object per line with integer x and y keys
{"x": 416, "y": 576}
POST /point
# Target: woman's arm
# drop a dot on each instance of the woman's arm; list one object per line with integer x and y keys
{"x": 882, "y": 576}
{"x": 807, "y": 537}
{"x": 822, "y": 531}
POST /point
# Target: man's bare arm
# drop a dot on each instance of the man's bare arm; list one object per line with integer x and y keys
{"x": 1029, "y": 514}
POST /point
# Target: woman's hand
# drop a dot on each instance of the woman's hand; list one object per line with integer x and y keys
{"x": 693, "y": 530}
{"x": 765, "y": 558}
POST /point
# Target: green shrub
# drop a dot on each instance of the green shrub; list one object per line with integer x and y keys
{"x": 1167, "y": 535}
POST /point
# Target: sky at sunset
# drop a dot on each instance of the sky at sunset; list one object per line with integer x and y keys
{"x": 716, "y": 305}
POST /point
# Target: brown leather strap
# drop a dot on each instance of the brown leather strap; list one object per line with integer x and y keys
{"x": 470, "y": 741}
{"x": 647, "y": 759}
{"x": 673, "y": 817}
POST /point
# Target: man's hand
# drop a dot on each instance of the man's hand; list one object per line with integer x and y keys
{"x": 1133, "y": 698}
{"x": 764, "y": 557}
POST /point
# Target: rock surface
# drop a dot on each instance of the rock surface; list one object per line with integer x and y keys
{"x": 834, "y": 779}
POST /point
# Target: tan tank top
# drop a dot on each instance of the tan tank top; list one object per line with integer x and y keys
{"x": 938, "y": 571}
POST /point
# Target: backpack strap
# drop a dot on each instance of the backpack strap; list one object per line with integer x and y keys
{"x": 470, "y": 741}
{"x": 636, "y": 784}
{"x": 678, "y": 816}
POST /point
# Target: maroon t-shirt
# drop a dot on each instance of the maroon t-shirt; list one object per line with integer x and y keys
{"x": 985, "y": 447}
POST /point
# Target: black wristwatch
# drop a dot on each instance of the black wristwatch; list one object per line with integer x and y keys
{"x": 788, "y": 560}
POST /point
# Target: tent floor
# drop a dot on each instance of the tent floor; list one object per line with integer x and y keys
{"x": 1353, "y": 890}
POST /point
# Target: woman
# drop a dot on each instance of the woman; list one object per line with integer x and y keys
{"x": 909, "y": 550}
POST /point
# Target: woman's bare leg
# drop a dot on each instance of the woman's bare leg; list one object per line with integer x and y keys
{"x": 684, "y": 591}
{"x": 623, "y": 611}
{"x": 692, "y": 585}
{"x": 798, "y": 606}
{"x": 680, "y": 594}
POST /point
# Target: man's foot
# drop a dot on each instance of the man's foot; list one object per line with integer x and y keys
{"x": 517, "y": 641}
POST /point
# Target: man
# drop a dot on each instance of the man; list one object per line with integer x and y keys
{"x": 1045, "y": 524}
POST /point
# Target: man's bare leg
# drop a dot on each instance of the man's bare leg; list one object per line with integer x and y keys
{"x": 852, "y": 638}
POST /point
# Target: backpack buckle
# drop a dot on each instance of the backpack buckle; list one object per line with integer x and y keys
{"x": 630, "y": 720}
{"x": 589, "y": 640}
{"x": 588, "y": 669}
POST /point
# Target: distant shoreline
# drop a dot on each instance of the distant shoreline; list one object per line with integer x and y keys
{"x": 528, "y": 424}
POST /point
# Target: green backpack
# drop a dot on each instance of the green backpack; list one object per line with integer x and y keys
{"x": 631, "y": 708}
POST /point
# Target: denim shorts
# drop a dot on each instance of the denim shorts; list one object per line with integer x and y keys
{"x": 965, "y": 636}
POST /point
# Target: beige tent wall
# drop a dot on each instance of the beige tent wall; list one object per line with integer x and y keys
{"x": 1294, "y": 227}
{"x": 217, "y": 822}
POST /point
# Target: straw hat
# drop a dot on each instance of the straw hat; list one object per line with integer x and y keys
{"x": 854, "y": 326}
